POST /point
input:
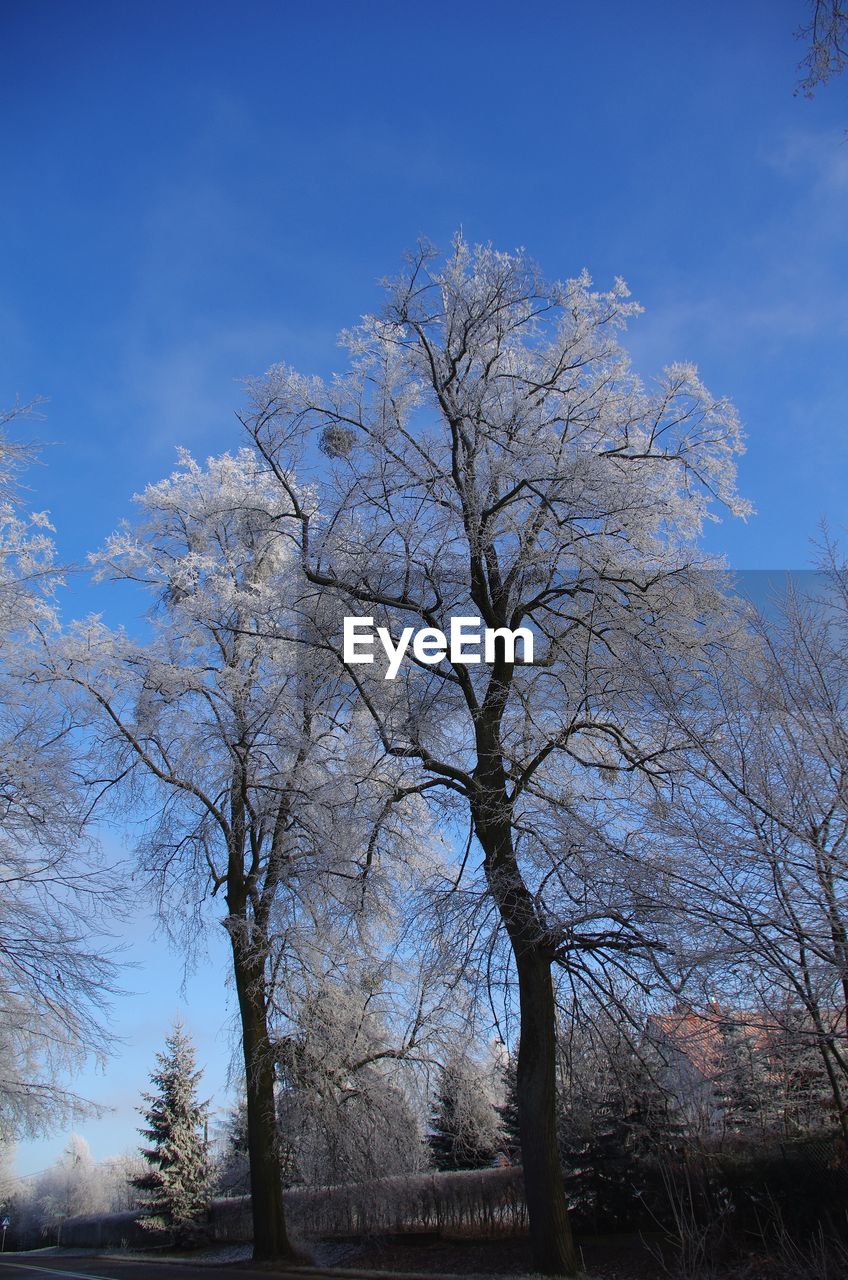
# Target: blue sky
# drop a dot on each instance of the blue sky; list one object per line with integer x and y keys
{"x": 195, "y": 190}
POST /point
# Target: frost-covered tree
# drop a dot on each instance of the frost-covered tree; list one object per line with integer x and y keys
{"x": 464, "y": 1132}
{"x": 348, "y": 1078}
{"x": 355, "y": 1132}
{"x": 70, "y": 1187}
{"x": 492, "y": 455}
{"x": 826, "y": 33}
{"x": 8, "y": 1181}
{"x": 509, "y": 1123}
{"x": 116, "y": 1176}
{"x": 210, "y": 727}
{"x": 54, "y": 886}
{"x": 232, "y": 1162}
{"x": 612, "y": 1112}
{"x": 755, "y": 837}
{"x": 226, "y": 729}
{"x": 73, "y": 1185}
{"x": 177, "y": 1183}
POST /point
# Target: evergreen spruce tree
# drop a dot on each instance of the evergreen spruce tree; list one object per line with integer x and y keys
{"x": 177, "y": 1184}
{"x": 613, "y": 1122}
{"x": 443, "y": 1136}
{"x": 508, "y": 1111}
{"x": 464, "y": 1130}
{"x": 233, "y": 1164}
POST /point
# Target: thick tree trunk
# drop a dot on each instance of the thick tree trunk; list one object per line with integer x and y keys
{"x": 270, "y": 1239}
{"x": 554, "y": 1252}
{"x": 553, "y": 1247}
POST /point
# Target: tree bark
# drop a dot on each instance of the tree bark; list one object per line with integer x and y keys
{"x": 552, "y": 1243}
{"x": 270, "y": 1238}
{"x": 554, "y": 1252}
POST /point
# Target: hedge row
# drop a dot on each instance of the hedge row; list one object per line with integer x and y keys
{"x": 806, "y": 1182}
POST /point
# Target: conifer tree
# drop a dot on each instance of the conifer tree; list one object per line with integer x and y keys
{"x": 233, "y": 1162}
{"x": 508, "y": 1111}
{"x": 178, "y": 1180}
{"x": 464, "y": 1131}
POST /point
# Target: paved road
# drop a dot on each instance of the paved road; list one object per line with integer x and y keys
{"x": 35, "y": 1267}
{"x": 88, "y": 1268}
